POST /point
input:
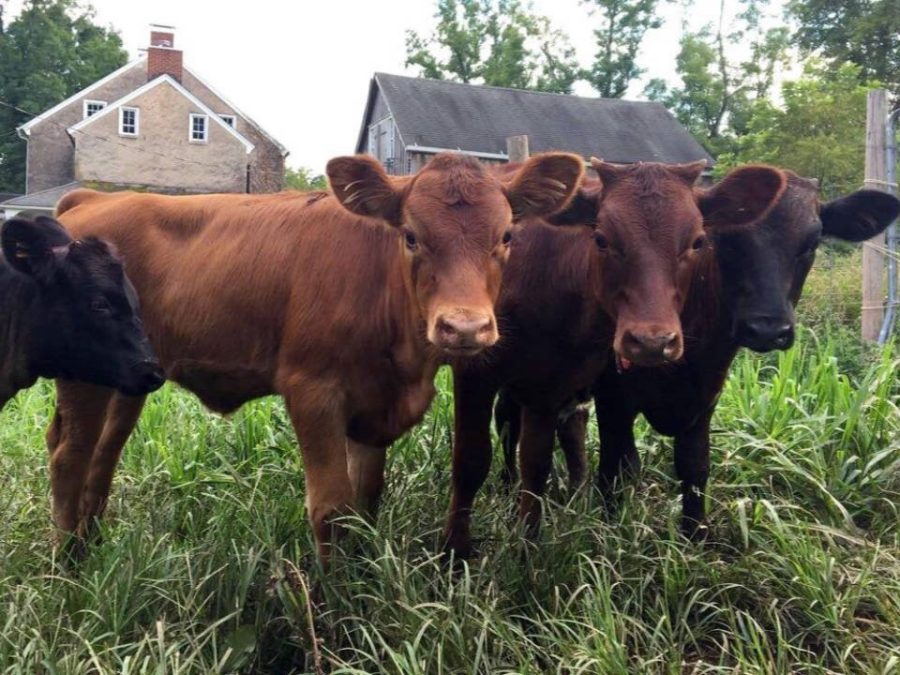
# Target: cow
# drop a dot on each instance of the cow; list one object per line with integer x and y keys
{"x": 343, "y": 303}
{"x": 743, "y": 295}
{"x": 68, "y": 311}
{"x": 611, "y": 271}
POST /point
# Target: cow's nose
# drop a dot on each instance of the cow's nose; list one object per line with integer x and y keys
{"x": 151, "y": 377}
{"x": 651, "y": 348}
{"x": 466, "y": 333}
{"x": 765, "y": 333}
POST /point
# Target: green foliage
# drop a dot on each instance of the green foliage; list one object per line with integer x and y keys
{"x": 304, "y": 180}
{"x": 715, "y": 97}
{"x": 818, "y": 131}
{"x": 47, "y": 53}
{"x": 206, "y": 563}
{"x": 495, "y": 42}
{"x": 863, "y": 32}
{"x": 623, "y": 25}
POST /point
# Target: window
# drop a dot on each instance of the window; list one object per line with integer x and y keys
{"x": 93, "y": 107}
{"x": 129, "y": 121}
{"x": 198, "y": 129}
{"x": 228, "y": 119}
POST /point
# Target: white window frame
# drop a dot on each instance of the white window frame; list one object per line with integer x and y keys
{"x": 89, "y": 101}
{"x": 137, "y": 121}
{"x": 230, "y": 120}
{"x": 205, "y": 118}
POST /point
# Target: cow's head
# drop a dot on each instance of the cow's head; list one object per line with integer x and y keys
{"x": 649, "y": 232}
{"x": 763, "y": 267}
{"x": 85, "y": 323}
{"x": 454, "y": 221}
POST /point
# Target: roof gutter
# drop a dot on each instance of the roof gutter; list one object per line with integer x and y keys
{"x": 427, "y": 149}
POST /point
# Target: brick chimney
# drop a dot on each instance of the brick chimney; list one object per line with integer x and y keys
{"x": 162, "y": 57}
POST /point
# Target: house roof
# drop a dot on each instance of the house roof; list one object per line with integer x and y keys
{"x": 162, "y": 79}
{"x": 25, "y": 129}
{"x": 237, "y": 111}
{"x": 43, "y": 199}
{"x": 435, "y": 115}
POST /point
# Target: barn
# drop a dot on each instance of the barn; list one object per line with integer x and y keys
{"x": 409, "y": 119}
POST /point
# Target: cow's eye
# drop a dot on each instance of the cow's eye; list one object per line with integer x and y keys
{"x": 410, "y": 240}
{"x": 507, "y": 237}
{"x": 101, "y": 306}
{"x": 699, "y": 242}
{"x": 601, "y": 241}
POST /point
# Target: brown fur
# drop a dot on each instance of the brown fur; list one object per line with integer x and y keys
{"x": 316, "y": 298}
{"x": 565, "y": 302}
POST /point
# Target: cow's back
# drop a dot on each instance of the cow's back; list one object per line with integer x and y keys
{"x": 232, "y": 285}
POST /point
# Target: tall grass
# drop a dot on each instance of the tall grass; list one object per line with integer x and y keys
{"x": 206, "y": 561}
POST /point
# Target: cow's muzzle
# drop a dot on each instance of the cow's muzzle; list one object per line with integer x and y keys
{"x": 464, "y": 332}
{"x": 764, "y": 333}
{"x": 650, "y": 348}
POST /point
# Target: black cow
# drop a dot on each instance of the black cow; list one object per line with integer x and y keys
{"x": 68, "y": 311}
{"x": 742, "y": 296}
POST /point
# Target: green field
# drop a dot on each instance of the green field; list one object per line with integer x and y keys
{"x": 206, "y": 559}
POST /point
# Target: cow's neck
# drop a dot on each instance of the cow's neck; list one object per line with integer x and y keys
{"x": 706, "y": 317}
{"x": 18, "y": 295}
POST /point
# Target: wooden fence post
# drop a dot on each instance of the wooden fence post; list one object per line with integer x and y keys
{"x": 517, "y": 148}
{"x": 873, "y": 249}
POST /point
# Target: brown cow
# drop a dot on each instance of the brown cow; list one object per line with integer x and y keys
{"x": 743, "y": 295}
{"x": 570, "y": 293}
{"x": 346, "y": 317}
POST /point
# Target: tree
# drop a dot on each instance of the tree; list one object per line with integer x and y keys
{"x": 52, "y": 50}
{"x": 716, "y": 93}
{"x": 819, "y": 130}
{"x": 304, "y": 179}
{"x": 623, "y": 25}
{"x": 864, "y": 32}
{"x": 495, "y": 42}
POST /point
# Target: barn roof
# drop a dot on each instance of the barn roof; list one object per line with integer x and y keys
{"x": 437, "y": 114}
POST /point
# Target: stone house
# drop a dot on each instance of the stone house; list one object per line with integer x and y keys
{"x": 154, "y": 124}
{"x": 409, "y": 119}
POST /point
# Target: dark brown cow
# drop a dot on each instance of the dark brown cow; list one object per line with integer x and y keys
{"x": 569, "y": 293}
{"x": 743, "y": 295}
{"x": 346, "y": 317}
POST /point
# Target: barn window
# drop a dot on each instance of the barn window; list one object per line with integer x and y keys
{"x": 198, "y": 130}
{"x": 129, "y": 121}
{"x": 382, "y": 144}
{"x": 92, "y": 107}
{"x": 229, "y": 120}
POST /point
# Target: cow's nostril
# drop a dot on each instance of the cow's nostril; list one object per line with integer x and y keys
{"x": 766, "y": 333}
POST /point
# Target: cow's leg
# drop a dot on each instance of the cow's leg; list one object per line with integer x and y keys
{"x": 692, "y": 468}
{"x": 535, "y": 463}
{"x": 619, "y": 459}
{"x": 508, "y": 422}
{"x": 571, "y": 430}
{"x": 320, "y": 427}
{"x": 72, "y": 437}
{"x": 365, "y": 464}
{"x": 472, "y": 401}
{"x": 122, "y": 415}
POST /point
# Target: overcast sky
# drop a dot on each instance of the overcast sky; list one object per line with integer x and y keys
{"x": 301, "y": 69}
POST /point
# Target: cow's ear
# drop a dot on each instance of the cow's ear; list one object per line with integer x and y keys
{"x": 362, "y": 187}
{"x": 31, "y": 246}
{"x": 744, "y": 196}
{"x": 544, "y": 185}
{"x": 582, "y": 210}
{"x": 859, "y": 216}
